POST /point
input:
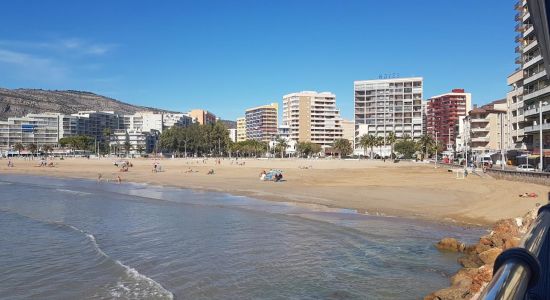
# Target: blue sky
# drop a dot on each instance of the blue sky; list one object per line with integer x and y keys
{"x": 226, "y": 56}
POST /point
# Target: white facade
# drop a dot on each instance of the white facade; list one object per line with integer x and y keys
{"x": 389, "y": 105}
{"x": 232, "y": 134}
{"x": 136, "y": 139}
{"x": 182, "y": 120}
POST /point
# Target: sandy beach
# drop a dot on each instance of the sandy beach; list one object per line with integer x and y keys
{"x": 400, "y": 189}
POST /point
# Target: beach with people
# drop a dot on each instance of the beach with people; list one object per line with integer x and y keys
{"x": 406, "y": 189}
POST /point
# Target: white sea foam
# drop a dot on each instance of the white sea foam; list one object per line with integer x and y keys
{"x": 79, "y": 193}
{"x": 120, "y": 290}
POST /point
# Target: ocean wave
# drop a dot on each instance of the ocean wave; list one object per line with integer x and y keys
{"x": 129, "y": 286}
{"x": 79, "y": 193}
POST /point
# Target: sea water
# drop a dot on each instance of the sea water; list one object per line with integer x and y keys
{"x": 79, "y": 239}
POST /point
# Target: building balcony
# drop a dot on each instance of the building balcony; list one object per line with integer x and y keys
{"x": 534, "y": 112}
{"x": 529, "y": 30}
{"x": 480, "y": 129}
{"x": 534, "y": 77}
{"x": 536, "y": 128}
{"x": 481, "y": 139}
{"x": 479, "y": 120}
{"x": 543, "y": 91}
{"x": 530, "y": 45}
{"x": 529, "y": 62}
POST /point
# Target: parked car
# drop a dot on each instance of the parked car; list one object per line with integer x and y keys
{"x": 525, "y": 168}
{"x": 547, "y": 169}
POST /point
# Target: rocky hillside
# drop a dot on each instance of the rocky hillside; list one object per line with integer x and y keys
{"x": 19, "y": 102}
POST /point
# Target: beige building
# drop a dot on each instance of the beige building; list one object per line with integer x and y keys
{"x": 348, "y": 131}
{"x": 241, "y": 129}
{"x": 202, "y": 116}
{"x": 485, "y": 127}
{"x": 312, "y": 117}
{"x": 514, "y": 115}
{"x": 262, "y": 122}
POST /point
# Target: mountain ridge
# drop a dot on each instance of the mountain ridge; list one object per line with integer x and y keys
{"x": 20, "y": 102}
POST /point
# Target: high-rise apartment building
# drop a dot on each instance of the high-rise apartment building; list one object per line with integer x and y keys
{"x": 533, "y": 87}
{"x": 38, "y": 129}
{"x": 241, "y": 129}
{"x": 312, "y": 117}
{"x": 348, "y": 131}
{"x": 388, "y": 105}
{"x": 514, "y": 115}
{"x": 262, "y": 122}
{"x": 202, "y": 116}
{"x": 443, "y": 113}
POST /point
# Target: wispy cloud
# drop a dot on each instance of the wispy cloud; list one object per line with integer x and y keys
{"x": 31, "y": 66}
{"x": 74, "y": 46}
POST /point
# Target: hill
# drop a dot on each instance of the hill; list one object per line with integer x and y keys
{"x": 19, "y": 102}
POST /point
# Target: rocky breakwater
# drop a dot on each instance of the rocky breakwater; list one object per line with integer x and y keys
{"x": 477, "y": 260}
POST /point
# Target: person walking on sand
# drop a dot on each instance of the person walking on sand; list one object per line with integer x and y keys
{"x": 118, "y": 179}
{"x": 99, "y": 176}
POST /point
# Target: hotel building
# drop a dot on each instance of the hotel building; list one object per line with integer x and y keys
{"x": 388, "y": 105}
{"x": 530, "y": 88}
{"x": 312, "y": 117}
{"x": 443, "y": 113}
{"x": 262, "y": 122}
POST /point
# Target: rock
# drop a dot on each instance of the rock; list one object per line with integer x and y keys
{"x": 482, "y": 248}
{"x": 470, "y": 261}
{"x": 482, "y": 277}
{"x": 511, "y": 243}
{"x": 463, "y": 278}
{"x": 506, "y": 226}
{"x": 449, "y": 294}
{"x": 450, "y": 244}
{"x": 488, "y": 257}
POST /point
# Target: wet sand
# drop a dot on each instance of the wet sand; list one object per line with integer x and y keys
{"x": 403, "y": 189}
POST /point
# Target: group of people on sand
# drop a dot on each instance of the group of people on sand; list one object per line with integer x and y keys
{"x": 10, "y": 163}
{"x": 156, "y": 167}
{"x": 117, "y": 179}
{"x": 44, "y": 163}
{"x": 272, "y": 175}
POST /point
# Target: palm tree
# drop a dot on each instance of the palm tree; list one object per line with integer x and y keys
{"x": 47, "y": 149}
{"x": 343, "y": 146}
{"x": 140, "y": 149}
{"x": 32, "y": 148}
{"x": 127, "y": 147}
{"x": 425, "y": 143}
{"x": 18, "y": 147}
{"x": 380, "y": 142}
{"x": 281, "y": 145}
{"x": 391, "y": 138}
{"x": 368, "y": 141}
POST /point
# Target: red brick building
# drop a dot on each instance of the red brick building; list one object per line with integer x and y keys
{"x": 443, "y": 113}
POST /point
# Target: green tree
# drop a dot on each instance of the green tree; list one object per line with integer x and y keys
{"x": 426, "y": 145}
{"x": 140, "y": 149}
{"x": 281, "y": 145}
{"x": 32, "y": 148}
{"x": 380, "y": 142}
{"x": 48, "y": 149}
{"x": 368, "y": 141}
{"x": 405, "y": 147}
{"x": 18, "y": 147}
{"x": 343, "y": 146}
{"x": 391, "y": 138}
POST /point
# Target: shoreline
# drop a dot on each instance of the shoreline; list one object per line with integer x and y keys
{"x": 306, "y": 187}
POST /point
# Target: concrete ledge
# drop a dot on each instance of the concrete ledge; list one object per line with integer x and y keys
{"x": 529, "y": 177}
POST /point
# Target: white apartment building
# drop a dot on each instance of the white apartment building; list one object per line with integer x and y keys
{"x": 38, "y": 129}
{"x": 232, "y": 134}
{"x": 182, "y": 120}
{"x": 388, "y": 105}
{"x": 138, "y": 141}
{"x": 312, "y": 117}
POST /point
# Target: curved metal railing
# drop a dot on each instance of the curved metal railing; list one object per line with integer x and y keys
{"x": 522, "y": 272}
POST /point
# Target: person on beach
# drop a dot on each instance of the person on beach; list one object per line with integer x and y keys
{"x": 211, "y": 172}
{"x": 10, "y": 163}
{"x": 118, "y": 179}
{"x": 99, "y": 176}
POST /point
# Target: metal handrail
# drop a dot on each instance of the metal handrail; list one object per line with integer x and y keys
{"x": 521, "y": 273}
